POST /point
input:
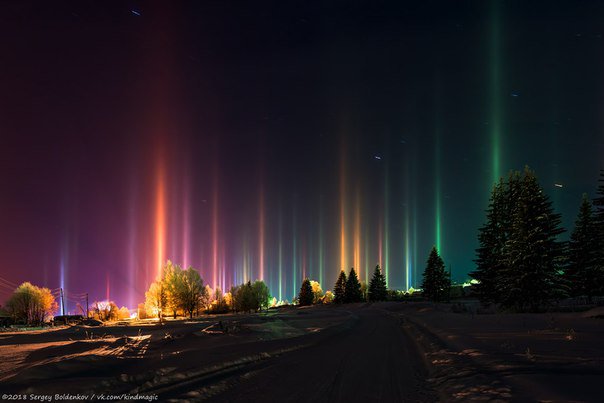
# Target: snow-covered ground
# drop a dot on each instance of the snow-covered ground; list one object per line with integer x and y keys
{"x": 370, "y": 352}
{"x": 554, "y": 357}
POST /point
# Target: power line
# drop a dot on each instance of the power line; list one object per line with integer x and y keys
{"x": 8, "y": 282}
{"x": 6, "y": 287}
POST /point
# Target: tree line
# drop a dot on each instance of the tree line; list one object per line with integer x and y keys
{"x": 521, "y": 264}
{"x": 347, "y": 289}
{"x": 179, "y": 291}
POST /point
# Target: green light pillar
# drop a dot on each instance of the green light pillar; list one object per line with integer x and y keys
{"x": 495, "y": 90}
{"x": 294, "y": 256}
{"x": 280, "y": 254}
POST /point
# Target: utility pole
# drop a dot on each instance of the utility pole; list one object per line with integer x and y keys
{"x": 62, "y": 302}
{"x": 87, "y": 306}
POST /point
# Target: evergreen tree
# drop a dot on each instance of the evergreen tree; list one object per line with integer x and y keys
{"x": 339, "y": 289}
{"x": 491, "y": 238}
{"x": 598, "y": 269}
{"x": 532, "y": 255}
{"x": 583, "y": 251}
{"x": 306, "y": 295}
{"x": 436, "y": 282}
{"x": 377, "y": 286}
{"x": 353, "y": 288}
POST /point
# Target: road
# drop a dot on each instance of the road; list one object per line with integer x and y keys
{"x": 373, "y": 360}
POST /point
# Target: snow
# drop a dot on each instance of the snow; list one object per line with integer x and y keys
{"x": 390, "y": 351}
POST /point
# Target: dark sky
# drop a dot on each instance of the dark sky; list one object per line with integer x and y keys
{"x": 279, "y": 140}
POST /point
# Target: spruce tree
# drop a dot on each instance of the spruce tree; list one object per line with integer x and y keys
{"x": 339, "y": 290}
{"x": 597, "y": 279}
{"x": 377, "y": 286}
{"x": 436, "y": 282}
{"x": 353, "y": 288}
{"x": 531, "y": 276}
{"x": 306, "y": 295}
{"x": 491, "y": 238}
{"x": 582, "y": 252}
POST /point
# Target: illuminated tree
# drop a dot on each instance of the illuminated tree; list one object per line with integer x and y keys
{"x": 188, "y": 290}
{"x": 317, "y": 291}
{"x": 353, "y": 288}
{"x": 581, "y": 265}
{"x": 222, "y": 302}
{"x": 141, "y": 311}
{"x": 339, "y": 289}
{"x": 30, "y": 304}
{"x": 305, "y": 297}
{"x": 436, "y": 282}
{"x": 156, "y": 299}
{"x": 377, "y": 286}
{"x": 328, "y": 297}
{"x": 172, "y": 279}
{"x": 207, "y": 298}
{"x": 123, "y": 313}
{"x": 105, "y": 311}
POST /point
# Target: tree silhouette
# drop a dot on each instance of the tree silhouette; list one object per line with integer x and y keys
{"x": 353, "y": 288}
{"x": 377, "y": 286}
{"x": 436, "y": 282}
{"x": 492, "y": 238}
{"x": 533, "y": 256}
{"x": 306, "y": 295}
{"x": 598, "y": 272}
{"x": 581, "y": 265}
{"x": 339, "y": 289}
{"x": 519, "y": 259}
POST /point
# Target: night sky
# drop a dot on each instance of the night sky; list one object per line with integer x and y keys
{"x": 278, "y": 141}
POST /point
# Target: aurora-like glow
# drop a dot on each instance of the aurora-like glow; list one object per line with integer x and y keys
{"x": 321, "y": 245}
{"x": 294, "y": 289}
{"x": 495, "y": 90}
{"x": 261, "y": 236}
{"x": 338, "y": 145}
{"x": 160, "y": 219}
{"x": 357, "y": 232}
{"x": 215, "y": 278}
{"x": 437, "y": 194}
{"x": 343, "y": 229}
{"x": 386, "y": 261}
{"x": 280, "y": 262}
{"x": 367, "y": 254}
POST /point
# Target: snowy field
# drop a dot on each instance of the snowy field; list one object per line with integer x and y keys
{"x": 371, "y": 352}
